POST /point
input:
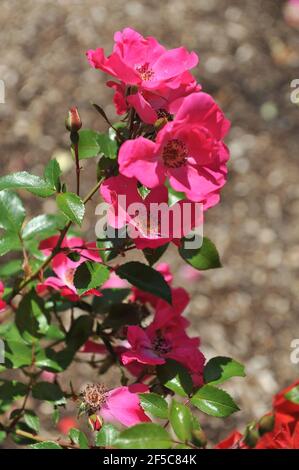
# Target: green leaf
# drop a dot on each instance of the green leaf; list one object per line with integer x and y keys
{"x": 293, "y": 395}
{"x": 145, "y": 278}
{"x": 108, "y": 146}
{"x": 109, "y": 298}
{"x": 31, "y": 319}
{"x": 42, "y": 225}
{"x": 12, "y": 390}
{"x": 214, "y": 401}
{"x": 2, "y": 436}
{"x": 144, "y": 436}
{"x": 9, "y": 242}
{"x": 88, "y": 144}
{"x": 45, "y": 445}
{"x": 17, "y": 353}
{"x": 49, "y": 392}
{"x": 93, "y": 143}
{"x": 12, "y": 212}
{"x": 23, "y": 180}
{"x": 79, "y": 438}
{"x": 106, "y": 436}
{"x": 32, "y": 421}
{"x": 90, "y": 275}
{"x": 153, "y": 255}
{"x": 121, "y": 315}
{"x": 175, "y": 377}
{"x": 10, "y": 268}
{"x": 80, "y": 332}
{"x": 154, "y": 404}
{"x": 219, "y": 369}
{"x": 205, "y": 257}
{"x": 52, "y": 174}
{"x": 180, "y": 418}
{"x": 71, "y": 206}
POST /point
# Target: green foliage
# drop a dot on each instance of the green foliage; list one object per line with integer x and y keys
{"x": 145, "y": 278}
{"x": 144, "y": 436}
{"x": 214, "y": 401}
{"x": 219, "y": 369}
{"x": 71, "y": 206}
{"x": 205, "y": 257}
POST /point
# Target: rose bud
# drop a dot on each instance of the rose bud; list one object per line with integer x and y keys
{"x": 266, "y": 424}
{"x": 73, "y": 121}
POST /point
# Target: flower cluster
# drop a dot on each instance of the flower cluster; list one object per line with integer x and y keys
{"x": 279, "y": 429}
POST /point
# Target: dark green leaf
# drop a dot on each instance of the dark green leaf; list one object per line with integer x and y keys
{"x": 205, "y": 257}
{"x": 24, "y": 180}
{"x": 49, "y": 392}
{"x": 145, "y": 278}
{"x": 79, "y": 332}
{"x": 153, "y": 255}
{"x": 31, "y": 319}
{"x": 90, "y": 275}
{"x": 12, "y": 212}
{"x": 144, "y": 436}
{"x": 219, "y": 369}
{"x": 154, "y": 404}
{"x": 121, "y": 315}
{"x": 10, "y": 268}
{"x": 181, "y": 420}
{"x": 175, "y": 377}
{"x": 214, "y": 401}
{"x": 109, "y": 298}
{"x": 71, "y": 206}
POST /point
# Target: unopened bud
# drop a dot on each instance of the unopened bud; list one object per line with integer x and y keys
{"x": 95, "y": 422}
{"x": 251, "y": 436}
{"x": 73, "y": 121}
{"x": 266, "y": 424}
{"x": 199, "y": 438}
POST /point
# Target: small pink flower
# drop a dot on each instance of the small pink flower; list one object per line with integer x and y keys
{"x": 159, "y": 75}
{"x": 189, "y": 151}
{"x": 151, "y": 222}
{"x": 165, "y": 338}
{"x": 64, "y": 267}
{"x": 3, "y": 304}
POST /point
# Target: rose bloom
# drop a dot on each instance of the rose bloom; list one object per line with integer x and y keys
{"x": 3, "y": 304}
{"x": 188, "y": 151}
{"x": 150, "y": 221}
{"x": 159, "y": 76}
{"x": 64, "y": 267}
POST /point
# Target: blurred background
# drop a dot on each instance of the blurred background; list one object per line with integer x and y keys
{"x": 249, "y": 55}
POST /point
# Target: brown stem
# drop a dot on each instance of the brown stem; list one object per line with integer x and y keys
{"x": 38, "y": 438}
{"x": 76, "y": 150}
{"x": 56, "y": 249}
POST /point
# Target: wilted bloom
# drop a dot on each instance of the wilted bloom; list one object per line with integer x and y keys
{"x": 3, "y": 304}
{"x": 150, "y": 220}
{"x": 189, "y": 151}
{"x": 64, "y": 267}
{"x": 158, "y": 75}
{"x": 120, "y": 404}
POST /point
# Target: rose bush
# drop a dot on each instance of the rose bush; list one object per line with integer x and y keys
{"x": 63, "y": 297}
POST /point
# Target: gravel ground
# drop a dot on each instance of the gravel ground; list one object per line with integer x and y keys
{"x": 249, "y": 55}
